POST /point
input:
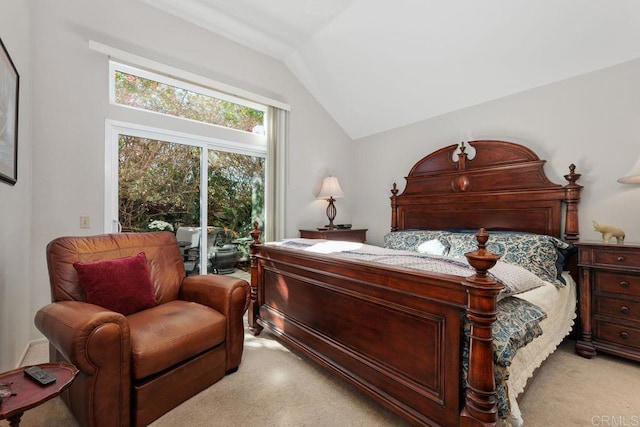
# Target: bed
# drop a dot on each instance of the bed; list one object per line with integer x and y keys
{"x": 418, "y": 342}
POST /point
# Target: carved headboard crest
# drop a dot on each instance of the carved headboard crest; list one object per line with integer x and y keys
{"x": 503, "y": 186}
{"x": 442, "y": 172}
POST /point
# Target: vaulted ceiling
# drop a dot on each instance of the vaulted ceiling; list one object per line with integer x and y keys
{"x": 380, "y": 64}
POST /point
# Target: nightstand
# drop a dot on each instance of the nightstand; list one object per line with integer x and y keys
{"x": 346, "y": 234}
{"x": 609, "y": 298}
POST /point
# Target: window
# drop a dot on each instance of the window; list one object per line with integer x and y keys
{"x": 162, "y": 178}
{"x": 137, "y": 88}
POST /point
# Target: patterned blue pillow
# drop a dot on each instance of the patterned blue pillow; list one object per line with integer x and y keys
{"x": 411, "y": 239}
{"x": 535, "y": 252}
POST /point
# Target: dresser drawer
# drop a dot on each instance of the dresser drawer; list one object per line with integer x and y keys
{"x": 618, "y": 334}
{"x": 617, "y": 258}
{"x": 619, "y": 308}
{"x": 622, "y": 283}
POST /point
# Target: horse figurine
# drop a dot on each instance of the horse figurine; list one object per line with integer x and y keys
{"x": 608, "y": 232}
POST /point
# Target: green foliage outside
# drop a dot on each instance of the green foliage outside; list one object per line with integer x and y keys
{"x": 139, "y": 92}
{"x": 157, "y": 181}
{"x": 236, "y": 192}
{"x": 161, "y": 181}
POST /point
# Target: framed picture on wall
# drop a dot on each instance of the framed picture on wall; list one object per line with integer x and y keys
{"x": 9, "y": 85}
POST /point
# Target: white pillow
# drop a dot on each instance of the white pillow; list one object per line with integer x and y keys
{"x": 432, "y": 247}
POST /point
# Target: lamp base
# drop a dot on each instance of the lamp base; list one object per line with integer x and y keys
{"x": 331, "y": 213}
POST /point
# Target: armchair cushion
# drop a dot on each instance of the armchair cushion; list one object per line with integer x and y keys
{"x": 122, "y": 285}
{"x": 170, "y": 333}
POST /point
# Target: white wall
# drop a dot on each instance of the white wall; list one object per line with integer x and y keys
{"x": 592, "y": 121}
{"x": 15, "y": 201}
{"x": 71, "y": 105}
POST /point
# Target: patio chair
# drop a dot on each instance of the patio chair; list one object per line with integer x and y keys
{"x": 189, "y": 242}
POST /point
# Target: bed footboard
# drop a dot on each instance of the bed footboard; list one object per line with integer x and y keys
{"x": 394, "y": 333}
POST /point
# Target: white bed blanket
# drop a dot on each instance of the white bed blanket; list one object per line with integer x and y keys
{"x": 560, "y": 306}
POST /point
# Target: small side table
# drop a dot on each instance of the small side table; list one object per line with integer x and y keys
{"x": 28, "y": 393}
{"x": 346, "y": 234}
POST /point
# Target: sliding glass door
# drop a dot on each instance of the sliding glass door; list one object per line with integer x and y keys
{"x": 206, "y": 192}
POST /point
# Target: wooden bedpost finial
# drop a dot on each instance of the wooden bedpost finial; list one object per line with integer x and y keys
{"x": 572, "y": 176}
{"x": 482, "y": 237}
{"x": 481, "y": 259}
{"x": 255, "y": 233}
{"x": 394, "y": 190}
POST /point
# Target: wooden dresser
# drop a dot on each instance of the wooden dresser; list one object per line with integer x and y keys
{"x": 609, "y": 298}
{"x": 346, "y": 234}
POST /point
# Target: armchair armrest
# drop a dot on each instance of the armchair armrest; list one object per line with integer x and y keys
{"x": 97, "y": 342}
{"x": 228, "y": 295}
{"x": 75, "y": 329}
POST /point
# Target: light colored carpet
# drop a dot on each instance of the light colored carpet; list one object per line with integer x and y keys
{"x": 275, "y": 387}
{"x": 569, "y": 390}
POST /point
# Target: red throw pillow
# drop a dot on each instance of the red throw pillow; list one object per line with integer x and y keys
{"x": 123, "y": 284}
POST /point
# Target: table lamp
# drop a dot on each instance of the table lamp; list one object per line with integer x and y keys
{"x": 330, "y": 191}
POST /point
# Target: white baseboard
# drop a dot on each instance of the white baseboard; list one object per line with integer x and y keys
{"x": 26, "y": 350}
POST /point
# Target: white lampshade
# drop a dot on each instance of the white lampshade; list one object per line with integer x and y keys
{"x": 632, "y": 179}
{"x": 633, "y": 176}
{"x": 330, "y": 188}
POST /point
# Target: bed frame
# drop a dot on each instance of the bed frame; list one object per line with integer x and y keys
{"x": 396, "y": 333}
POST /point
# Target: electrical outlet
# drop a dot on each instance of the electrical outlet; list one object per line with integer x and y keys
{"x": 85, "y": 221}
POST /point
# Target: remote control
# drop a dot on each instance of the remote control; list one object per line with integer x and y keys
{"x": 39, "y": 375}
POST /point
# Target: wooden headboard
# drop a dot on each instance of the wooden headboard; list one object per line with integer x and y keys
{"x": 503, "y": 187}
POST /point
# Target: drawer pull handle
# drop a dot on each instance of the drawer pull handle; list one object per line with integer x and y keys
{"x": 624, "y": 284}
{"x": 624, "y": 309}
{"x": 624, "y": 335}
{"x": 621, "y": 258}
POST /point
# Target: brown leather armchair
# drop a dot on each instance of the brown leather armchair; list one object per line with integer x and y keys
{"x": 135, "y": 368}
